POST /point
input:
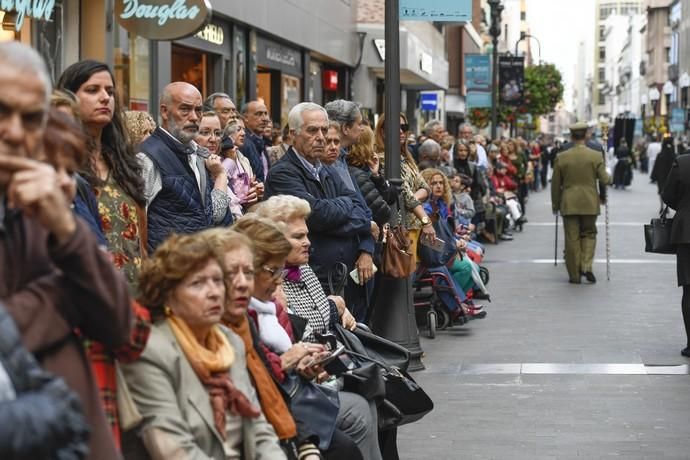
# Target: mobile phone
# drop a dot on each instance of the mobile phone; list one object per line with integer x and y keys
{"x": 330, "y": 357}
{"x": 354, "y": 274}
{"x": 436, "y": 244}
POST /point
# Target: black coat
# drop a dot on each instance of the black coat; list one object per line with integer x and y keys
{"x": 662, "y": 167}
{"x": 676, "y": 194}
{"x": 339, "y": 225}
{"x": 377, "y": 192}
{"x": 44, "y": 420}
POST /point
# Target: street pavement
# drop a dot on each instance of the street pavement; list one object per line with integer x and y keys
{"x": 528, "y": 381}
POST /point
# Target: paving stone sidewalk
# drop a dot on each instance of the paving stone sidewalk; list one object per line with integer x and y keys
{"x": 503, "y": 412}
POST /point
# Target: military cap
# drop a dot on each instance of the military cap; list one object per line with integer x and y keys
{"x": 579, "y": 126}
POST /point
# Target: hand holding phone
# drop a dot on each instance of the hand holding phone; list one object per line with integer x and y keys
{"x": 436, "y": 244}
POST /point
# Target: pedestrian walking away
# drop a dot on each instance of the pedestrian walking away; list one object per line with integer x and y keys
{"x": 676, "y": 194}
{"x": 575, "y": 195}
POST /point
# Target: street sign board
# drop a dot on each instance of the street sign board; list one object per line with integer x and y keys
{"x": 429, "y": 101}
{"x": 436, "y": 10}
{"x": 677, "y": 124}
{"x": 478, "y": 80}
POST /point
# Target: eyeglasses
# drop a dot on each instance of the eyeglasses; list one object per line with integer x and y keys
{"x": 276, "y": 273}
{"x": 208, "y": 133}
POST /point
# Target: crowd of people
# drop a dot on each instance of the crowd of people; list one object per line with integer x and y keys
{"x": 166, "y": 287}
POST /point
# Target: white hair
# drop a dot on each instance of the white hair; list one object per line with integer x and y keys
{"x": 295, "y": 120}
{"x": 428, "y": 148}
{"x": 283, "y": 208}
{"x": 27, "y": 61}
{"x": 431, "y": 126}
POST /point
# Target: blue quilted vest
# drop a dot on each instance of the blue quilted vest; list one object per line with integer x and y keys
{"x": 178, "y": 207}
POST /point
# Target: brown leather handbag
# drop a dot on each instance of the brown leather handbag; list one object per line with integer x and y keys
{"x": 397, "y": 261}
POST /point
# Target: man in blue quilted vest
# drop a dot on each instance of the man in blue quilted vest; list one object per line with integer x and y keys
{"x": 185, "y": 187}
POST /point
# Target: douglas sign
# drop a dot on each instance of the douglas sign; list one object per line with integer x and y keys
{"x": 161, "y": 19}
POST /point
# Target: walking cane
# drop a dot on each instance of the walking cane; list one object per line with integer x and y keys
{"x": 555, "y": 249}
{"x": 605, "y": 138}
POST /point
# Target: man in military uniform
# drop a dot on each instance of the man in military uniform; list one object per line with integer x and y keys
{"x": 575, "y": 195}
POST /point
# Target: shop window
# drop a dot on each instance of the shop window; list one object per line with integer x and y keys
{"x": 132, "y": 70}
{"x": 191, "y": 66}
{"x": 291, "y": 91}
{"x": 240, "y": 66}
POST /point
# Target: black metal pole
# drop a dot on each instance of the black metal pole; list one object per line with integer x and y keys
{"x": 495, "y": 31}
{"x": 393, "y": 316}
{"x": 494, "y": 89}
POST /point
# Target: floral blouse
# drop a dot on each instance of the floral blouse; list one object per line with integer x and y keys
{"x": 412, "y": 181}
{"x": 118, "y": 214}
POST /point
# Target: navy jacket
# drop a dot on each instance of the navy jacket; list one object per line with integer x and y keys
{"x": 179, "y": 206}
{"x": 339, "y": 226}
{"x": 253, "y": 149}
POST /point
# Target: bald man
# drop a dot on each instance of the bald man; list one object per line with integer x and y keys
{"x": 184, "y": 186}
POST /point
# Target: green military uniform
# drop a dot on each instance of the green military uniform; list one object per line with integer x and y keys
{"x": 575, "y": 195}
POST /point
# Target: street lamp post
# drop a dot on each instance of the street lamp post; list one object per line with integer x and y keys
{"x": 393, "y": 316}
{"x": 524, "y": 36}
{"x": 495, "y": 32}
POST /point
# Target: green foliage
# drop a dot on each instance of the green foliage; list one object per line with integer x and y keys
{"x": 542, "y": 90}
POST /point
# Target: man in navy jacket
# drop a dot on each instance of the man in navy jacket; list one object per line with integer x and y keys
{"x": 340, "y": 223}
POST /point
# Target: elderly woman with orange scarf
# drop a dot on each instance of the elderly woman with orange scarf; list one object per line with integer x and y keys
{"x": 191, "y": 384}
{"x": 278, "y": 367}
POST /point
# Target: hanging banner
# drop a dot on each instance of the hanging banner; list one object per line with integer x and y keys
{"x": 478, "y": 80}
{"x": 677, "y": 124}
{"x": 511, "y": 77}
{"x": 163, "y": 19}
{"x": 436, "y": 10}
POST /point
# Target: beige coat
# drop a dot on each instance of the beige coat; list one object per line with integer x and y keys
{"x": 574, "y": 190}
{"x": 178, "y": 420}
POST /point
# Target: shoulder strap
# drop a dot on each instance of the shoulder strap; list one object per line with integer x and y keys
{"x": 142, "y": 220}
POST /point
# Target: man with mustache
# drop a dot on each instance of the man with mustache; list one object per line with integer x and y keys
{"x": 339, "y": 223}
{"x": 185, "y": 188}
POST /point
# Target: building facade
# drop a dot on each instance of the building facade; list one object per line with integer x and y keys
{"x": 423, "y": 64}
{"x": 600, "y": 83}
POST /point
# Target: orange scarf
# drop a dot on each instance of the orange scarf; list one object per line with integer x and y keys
{"x": 211, "y": 362}
{"x": 272, "y": 403}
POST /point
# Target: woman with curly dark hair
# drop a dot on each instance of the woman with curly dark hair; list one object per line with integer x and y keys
{"x": 113, "y": 170}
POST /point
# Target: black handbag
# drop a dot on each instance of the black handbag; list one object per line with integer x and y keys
{"x": 314, "y": 408}
{"x": 657, "y": 235}
{"x": 400, "y": 399}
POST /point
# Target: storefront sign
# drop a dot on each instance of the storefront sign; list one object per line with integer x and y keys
{"x": 212, "y": 33}
{"x": 161, "y": 19}
{"x": 380, "y": 45}
{"x": 426, "y": 63}
{"x": 276, "y": 56}
{"x": 37, "y": 9}
{"x": 330, "y": 80}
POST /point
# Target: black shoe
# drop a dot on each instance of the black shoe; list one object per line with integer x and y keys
{"x": 685, "y": 352}
{"x": 589, "y": 276}
{"x": 575, "y": 281}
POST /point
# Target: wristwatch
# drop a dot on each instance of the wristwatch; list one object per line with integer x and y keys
{"x": 425, "y": 221}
